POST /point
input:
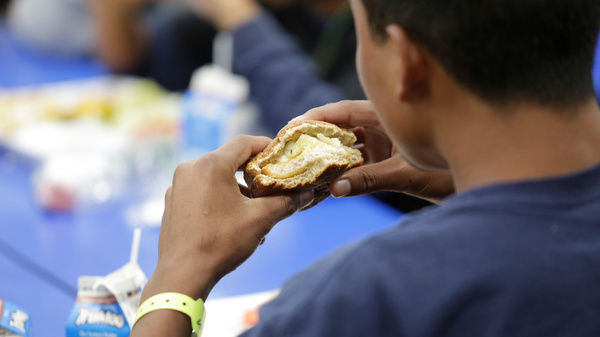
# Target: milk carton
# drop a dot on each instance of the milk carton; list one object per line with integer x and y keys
{"x": 96, "y": 312}
{"x": 15, "y": 322}
{"x": 214, "y": 111}
{"x": 106, "y": 305}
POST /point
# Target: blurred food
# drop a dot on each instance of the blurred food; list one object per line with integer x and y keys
{"x": 91, "y": 137}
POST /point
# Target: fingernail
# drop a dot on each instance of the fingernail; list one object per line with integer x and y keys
{"x": 341, "y": 188}
{"x": 306, "y": 198}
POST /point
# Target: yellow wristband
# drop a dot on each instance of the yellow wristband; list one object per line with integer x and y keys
{"x": 179, "y": 302}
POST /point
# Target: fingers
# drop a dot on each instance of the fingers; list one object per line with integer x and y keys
{"x": 344, "y": 113}
{"x": 377, "y": 146}
{"x": 210, "y": 218}
{"x": 236, "y": 152}
{"x": 396, "y": 175}
{"x": 381, "y": 176}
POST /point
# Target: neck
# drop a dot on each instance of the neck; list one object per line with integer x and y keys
{"x": 484, "y": 146}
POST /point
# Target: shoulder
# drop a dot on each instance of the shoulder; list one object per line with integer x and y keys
{"x": 361, "y": 289}
{"x": 485, "y": 246}
{"x": 382, "y": 280}
{"x": 326, "y": 298}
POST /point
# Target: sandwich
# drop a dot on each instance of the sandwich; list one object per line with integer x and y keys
{"x": 305, "y": 155}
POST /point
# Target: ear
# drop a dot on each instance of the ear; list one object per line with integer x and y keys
{"x": 411, "y": 74}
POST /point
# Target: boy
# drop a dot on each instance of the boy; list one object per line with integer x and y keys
{"x": 500, "y": 93}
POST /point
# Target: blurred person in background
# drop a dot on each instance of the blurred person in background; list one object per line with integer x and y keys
{"x": 162, "y": 40}
{"x": 61, "y": 27}
{"x": 3, "y": 6}
{"x": 115, "y": 31}
{"x": 297, "y": 54}
{"x": 298, "y": 58}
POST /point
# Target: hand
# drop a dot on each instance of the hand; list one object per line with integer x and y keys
{"x": 226, "y": 14}
{"x": 210, "y": 225}
{"x": 386, "y": 170}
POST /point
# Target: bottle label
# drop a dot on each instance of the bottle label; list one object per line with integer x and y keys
{"x": 205, "y": 122}
{"x": 97, "y": 317}
{"x": 15, "y": 321}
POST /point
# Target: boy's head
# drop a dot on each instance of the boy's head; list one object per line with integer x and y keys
{"x": 534, "y": 50}
{"x": 505, "y": 52}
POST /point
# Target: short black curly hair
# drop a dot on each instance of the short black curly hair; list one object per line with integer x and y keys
{"x": 506, "y": 51}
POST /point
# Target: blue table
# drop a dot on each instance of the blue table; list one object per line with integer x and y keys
{"x": 50, "y": 251}
{"x": 34, "y": 295}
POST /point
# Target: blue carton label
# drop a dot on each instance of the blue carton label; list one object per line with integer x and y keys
{"x": 92, "y": 319}
{"x": 14, "y": 320}
{"x": 205, "y": 119}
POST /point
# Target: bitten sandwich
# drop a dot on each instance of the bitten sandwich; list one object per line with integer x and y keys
{"x": 305, "y": 155}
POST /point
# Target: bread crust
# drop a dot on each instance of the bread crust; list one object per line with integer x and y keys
{"x": 321, "y": 170}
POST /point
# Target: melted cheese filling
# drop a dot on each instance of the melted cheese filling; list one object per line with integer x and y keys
{"x": 289, "y": 163}
{"x": 305, "y": 142}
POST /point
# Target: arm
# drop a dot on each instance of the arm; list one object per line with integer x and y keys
{"x": 386, "y": 169}
{"x": 122, "y": 37}
{"x": 210, "y": 226}
{"x": 283, "y": 79}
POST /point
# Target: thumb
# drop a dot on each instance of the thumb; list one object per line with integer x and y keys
{"x": 381, "y": 176}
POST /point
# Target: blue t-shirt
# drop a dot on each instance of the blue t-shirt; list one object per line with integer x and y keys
{"x": 517, "y": 259}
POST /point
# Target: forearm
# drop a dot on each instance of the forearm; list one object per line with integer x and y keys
{"x": 121, "y": 36}
{"x": 177, "y": 278}
{"x": 209, "y": 228}
{"x": 284, "y": 80}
